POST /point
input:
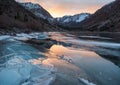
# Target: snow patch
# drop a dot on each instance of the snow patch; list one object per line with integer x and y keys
{"x": 31, "y": 5}
{"x": 82, "y": 17}
{"x": 67, "y": 20}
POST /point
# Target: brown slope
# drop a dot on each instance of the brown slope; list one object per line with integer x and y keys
{"x": 15, "y": 18}
{"x": 105, "y": 19}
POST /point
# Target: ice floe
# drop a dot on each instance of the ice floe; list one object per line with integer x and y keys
{"x": 19, "y": 71}
{"x": 86, "y": 82}
{"x": 3, "y": 37}
{"x": 96, "y": 37}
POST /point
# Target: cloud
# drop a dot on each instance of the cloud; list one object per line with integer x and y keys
{"x": 69, "y": 7}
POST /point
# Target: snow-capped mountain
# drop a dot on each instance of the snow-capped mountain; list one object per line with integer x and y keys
{"x": 66, "y": 21}
{"x": 36, "y": 9}
{"x": 70, "y": 21}
{"x": 75, "y": 18}
{"x": 30, "y": 5}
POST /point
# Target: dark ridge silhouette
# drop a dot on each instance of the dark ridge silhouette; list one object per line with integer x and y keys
{"x": 105, "y": 19}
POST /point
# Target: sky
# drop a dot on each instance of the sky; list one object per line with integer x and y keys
{"x": 59, "y": 8}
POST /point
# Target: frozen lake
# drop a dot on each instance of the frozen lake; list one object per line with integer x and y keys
{"x": 80, "y": 59}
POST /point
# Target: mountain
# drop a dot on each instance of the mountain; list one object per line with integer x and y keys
{"x": 105, "y": 19}
{"x": 40, "y": 12}
{"x": 15, "y": 18}
{"x": 37, "y": 10}
{"x": 72, "y": 21}
{"x": 65, "y": 21}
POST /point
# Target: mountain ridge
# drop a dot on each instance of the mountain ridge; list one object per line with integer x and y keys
{"x": 71, "y": 21}
{"x": 105, "y": 19}
{"x": 64, "y": 22}
{"x": 37, "y": 9}
{"x": 15, "y": 18}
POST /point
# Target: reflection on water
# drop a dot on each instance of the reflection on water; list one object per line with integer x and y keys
{"x": 107, "y": 48}
{"x": 92, "y": 64}
{"x": 61, "y": 50}
{"x": 58, "y": 50}
{"x": 81, "y": 42}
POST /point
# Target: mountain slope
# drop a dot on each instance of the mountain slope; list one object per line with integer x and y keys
{"x": 105, "y": 19}
{"x": 15, "y": 18}
{"x": 37, "y": 10}
{"x": 40, "y": 12}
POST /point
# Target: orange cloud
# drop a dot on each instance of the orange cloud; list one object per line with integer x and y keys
{"x": 61, "y": 11}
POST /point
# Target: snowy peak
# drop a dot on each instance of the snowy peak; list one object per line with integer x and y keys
{"x": 81, "y": 17}
{"x": 37, "y": 10}
{"x": 72, "y": 21}
{"x": 75, "y": 18}
{"x": 30, "y": 5}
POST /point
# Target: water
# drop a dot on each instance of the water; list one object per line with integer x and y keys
{"x": 21, "y": 64}
{"x": 85, "y": 59}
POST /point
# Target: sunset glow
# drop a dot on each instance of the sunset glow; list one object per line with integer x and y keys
{"x": 58, "y": 8}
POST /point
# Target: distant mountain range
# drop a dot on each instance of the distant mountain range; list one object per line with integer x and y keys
{"x": 25, "y": 17}
{"x": 65, "y": 21}
{"x": 75, "y": 18}
{"x": 105, "y": 19}
{"x": 70, "y": 22}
